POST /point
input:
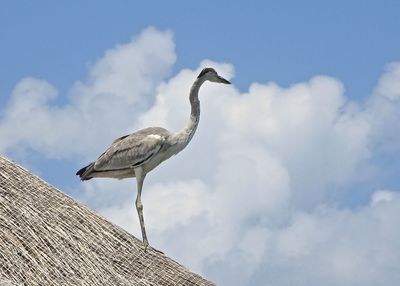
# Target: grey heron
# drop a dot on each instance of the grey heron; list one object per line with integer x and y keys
{"x": 137, "y": 154}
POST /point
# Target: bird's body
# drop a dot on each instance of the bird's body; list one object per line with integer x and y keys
{"x": 137, "y": 154}
{"x": 146, "y": 148}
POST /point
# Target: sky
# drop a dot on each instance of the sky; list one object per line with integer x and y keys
{"x": 292, "y": 176}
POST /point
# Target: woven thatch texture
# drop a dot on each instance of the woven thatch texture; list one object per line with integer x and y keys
{"x": 47, "y": 238}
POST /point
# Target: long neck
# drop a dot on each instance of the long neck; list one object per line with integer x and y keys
{"x": 185, "y": 135}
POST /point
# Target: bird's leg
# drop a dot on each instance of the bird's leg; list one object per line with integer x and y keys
{"x": 139, "y": 206}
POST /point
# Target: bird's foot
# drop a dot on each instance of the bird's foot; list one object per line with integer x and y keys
{"x": 156, "y": 250}
{"x": 146, "y": 245}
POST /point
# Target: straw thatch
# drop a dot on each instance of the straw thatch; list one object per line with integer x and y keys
{"x": 48, "y": 238}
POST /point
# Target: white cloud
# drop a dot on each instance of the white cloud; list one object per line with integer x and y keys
{"x": 273, "y": 156}
{"x": 381, "y": 196}
{"x": 253, "y": 199}
{"x": 336, "y": 247}
{"x": 119, "y": 86}
{"x": 383, "y": 110}
{"x": 389, "y": 83}
{"x": 267, "y": 160}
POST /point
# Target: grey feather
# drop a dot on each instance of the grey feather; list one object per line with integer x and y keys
{"x": 132, "y": 150}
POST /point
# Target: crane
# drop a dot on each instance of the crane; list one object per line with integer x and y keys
{"x": 137, "y": 154}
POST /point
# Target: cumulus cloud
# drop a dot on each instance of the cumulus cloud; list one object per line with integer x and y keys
{"x": 119, "y": 86}
{"x": 256, "y": 198}
{"x": 275, "y": 158}
{"x": 266, "y": 165}
{"x": 335, "y": 247}
{"x": 383, "y": 110}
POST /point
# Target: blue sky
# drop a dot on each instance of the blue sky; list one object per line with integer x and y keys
{"x": 306, "y": 139}
{"x": 285, "y": 41}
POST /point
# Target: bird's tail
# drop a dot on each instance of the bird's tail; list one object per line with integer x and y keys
{"x": 85, "y": 172}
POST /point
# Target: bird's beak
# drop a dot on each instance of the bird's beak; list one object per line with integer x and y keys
{"x": 222, "y": 80}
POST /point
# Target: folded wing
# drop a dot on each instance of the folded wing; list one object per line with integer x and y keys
{"x": 130, "y": 151}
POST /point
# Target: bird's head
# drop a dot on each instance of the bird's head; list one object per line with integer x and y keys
{"x": 211, "y": 75}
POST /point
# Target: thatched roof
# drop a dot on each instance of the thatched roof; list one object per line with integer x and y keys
{"x": 48, "y": 238}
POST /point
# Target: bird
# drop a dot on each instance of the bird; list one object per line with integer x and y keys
{"x": 137, "y": 154}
